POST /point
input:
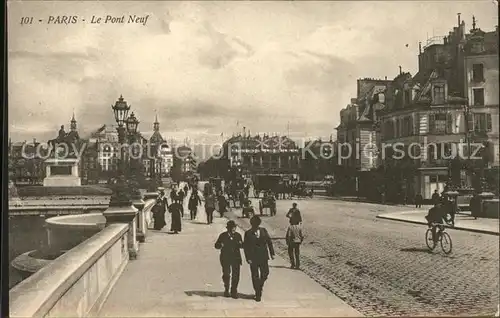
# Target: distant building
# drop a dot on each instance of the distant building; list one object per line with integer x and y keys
{"x": 158, "y": 155}
{"x": 317, "y": 159}
{"x": 262, "y": 154}
{"x": 25, "y": 166}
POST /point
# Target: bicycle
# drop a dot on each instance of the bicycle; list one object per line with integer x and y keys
{"x": 441, "y": 236}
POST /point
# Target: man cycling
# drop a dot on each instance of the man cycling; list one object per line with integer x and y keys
{"x": 436, "y": 215}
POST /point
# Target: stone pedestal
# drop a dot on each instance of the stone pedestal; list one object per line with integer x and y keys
{"x": 484, "y": 196}
{"x": 126, "y": 214}
{"x": 61, "y": 173}
{"x": 141, "y": 221}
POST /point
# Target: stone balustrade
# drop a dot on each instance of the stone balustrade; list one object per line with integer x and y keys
{"x": 76, "y": 283}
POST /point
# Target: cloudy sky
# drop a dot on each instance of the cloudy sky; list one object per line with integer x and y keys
{"x": 204, "y": 66}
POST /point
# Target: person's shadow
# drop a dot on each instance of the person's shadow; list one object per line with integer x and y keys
{"x": 214, "y": 294}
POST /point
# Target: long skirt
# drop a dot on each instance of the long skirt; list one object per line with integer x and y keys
{"x": 176, "y": 225}
{"x": 159, "y": 220}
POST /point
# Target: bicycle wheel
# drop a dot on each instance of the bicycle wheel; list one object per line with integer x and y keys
{"x": 428, "y": 240}
{"x": 446, "y": 244}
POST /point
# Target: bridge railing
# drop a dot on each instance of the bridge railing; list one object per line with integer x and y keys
{"x": 76, "y": 283}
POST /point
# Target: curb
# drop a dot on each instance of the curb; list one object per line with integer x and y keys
{"x": 446, "y": 226}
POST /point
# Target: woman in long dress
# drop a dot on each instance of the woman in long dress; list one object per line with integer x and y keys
{"x": 201, "y": 215}
{"x": 175, "y": 210}
{"x": 159, "y": 215}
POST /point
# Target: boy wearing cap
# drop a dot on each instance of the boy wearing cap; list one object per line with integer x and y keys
{"x": 230, "y": 243}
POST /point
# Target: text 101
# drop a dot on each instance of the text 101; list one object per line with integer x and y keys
{"x": 26, "y": 20}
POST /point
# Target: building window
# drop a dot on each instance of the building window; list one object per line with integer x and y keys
{"x": 439, "y": 125}
{"x": 439, "y": 94}
{"x": 407, "y": 94}
{"x": 482, "y": 122}
{"x": 478, "y": 96}
{"x": 477, "y": 72}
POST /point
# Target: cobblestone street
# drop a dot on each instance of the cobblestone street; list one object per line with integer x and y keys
{"x": 383, "y": 267}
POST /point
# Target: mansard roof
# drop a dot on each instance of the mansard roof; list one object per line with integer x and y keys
{"x": 265, "y": 141}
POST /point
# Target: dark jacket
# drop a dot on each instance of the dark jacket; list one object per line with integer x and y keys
{"x": 436, "y": 198}
{"x": 193, "y": 202}
{"x": 230, "y": 248}
{"x": 256, "y": 248}
{"x": 294, "y": 216}
{"x": 435, "y": 215}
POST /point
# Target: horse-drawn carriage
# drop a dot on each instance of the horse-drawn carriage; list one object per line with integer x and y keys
{"x": 248, "y": 210}
{"x": 268, "y": 201}
{"x": 265, "y": 182}
{"x": 301, "y": 191}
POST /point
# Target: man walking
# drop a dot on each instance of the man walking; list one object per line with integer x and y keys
{"x": 210, "y": 207}
{"x": 294, "y": 215}
{"x": 258, "y": 246}
{"x": 230, "y": 243}
{"x": 294, "y": 239}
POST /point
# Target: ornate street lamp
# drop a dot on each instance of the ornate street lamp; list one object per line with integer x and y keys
{"x": 120, "y": 205}
{"x": 132, "y": 123}
{"x": 120, "y": 196}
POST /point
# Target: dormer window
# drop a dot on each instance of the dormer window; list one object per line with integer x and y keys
{"x": 439, "y": 94}
{"x": 381, "y": 98}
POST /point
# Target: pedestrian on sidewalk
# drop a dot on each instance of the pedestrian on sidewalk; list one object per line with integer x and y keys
{"x": 210, "y": 207}
{"x": 418, "y": 200}
{"x": 222, "y": 203}
{"x": 294, "y": 215}
{"x": 230, "y": 243}
{"x": 436, "y": 198}
{"x": 194, "y": 201}
{"x": 175, "y": 210}
{"x": 258, "y": 246}
{"x": 294, "y": 239}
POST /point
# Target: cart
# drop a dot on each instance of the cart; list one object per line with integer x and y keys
{"x": 248, "y": 210}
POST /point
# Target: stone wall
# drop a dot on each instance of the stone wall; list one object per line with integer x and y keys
{"x": 77, "y": 283}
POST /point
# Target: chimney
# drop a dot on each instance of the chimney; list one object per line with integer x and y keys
{"x": 458, "y": 16}
{"x": 386, "y": 78}
{"x": 34, "y": 141}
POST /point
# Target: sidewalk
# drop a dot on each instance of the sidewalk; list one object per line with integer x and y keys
{"x": 463, "y": 222}
{"x": 180, "y": 276}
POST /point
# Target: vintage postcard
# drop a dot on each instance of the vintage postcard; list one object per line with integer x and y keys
{"x": 253, "y": 159}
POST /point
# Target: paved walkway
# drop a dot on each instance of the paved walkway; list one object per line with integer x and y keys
{"x": 462, "y": 221}
{"x": 180, "y": 276}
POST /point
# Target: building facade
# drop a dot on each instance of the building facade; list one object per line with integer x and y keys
{"x": 447, "y": 108}
{"x": 262, "y": 154}
{"x": 358, "y": 136}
